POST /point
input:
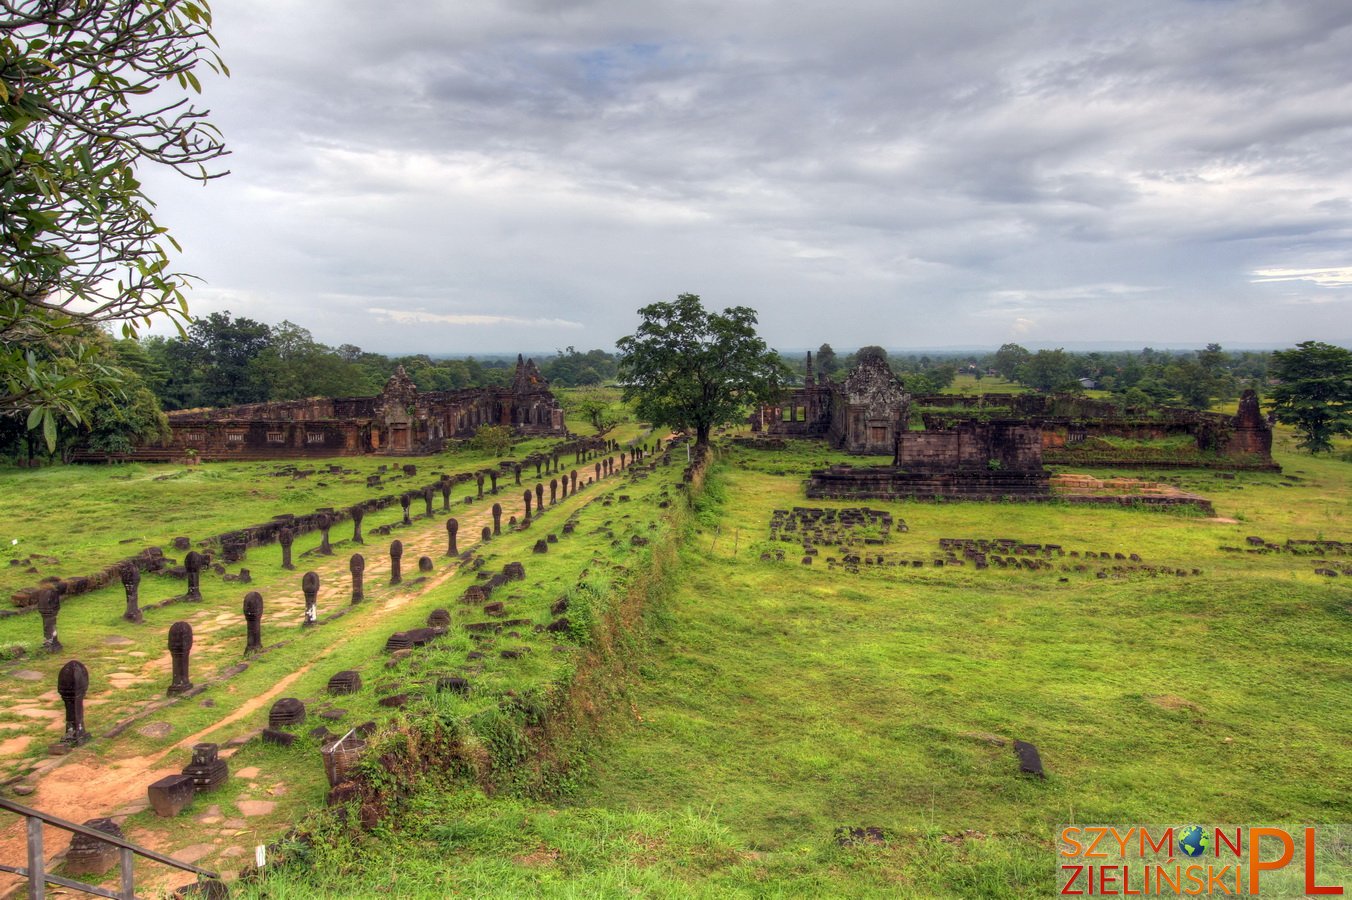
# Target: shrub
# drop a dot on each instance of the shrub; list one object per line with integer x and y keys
{"x": 495, "y": 440}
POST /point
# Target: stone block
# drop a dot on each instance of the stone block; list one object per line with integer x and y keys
{"x": 171, "y": 794}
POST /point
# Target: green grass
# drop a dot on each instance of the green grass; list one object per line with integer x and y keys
{"x": 86, "y": 517}
{"x": 791, "y": 699}
{"x": 991, "y": 384}
{"x": 300, "y": 661}
{"x": 776, "y": 703}
{"x": 770, "y": 703}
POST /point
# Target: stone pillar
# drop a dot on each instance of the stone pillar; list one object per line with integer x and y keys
{"x": 487, "y": 534}
{"x": 573, "y": 475}
{"x": 49, "y": 605}
{"x": 621, "y": 460}
{"x": 539, "y": 498}
{"x": 309, "y": 586}
{"x": 452, "y": 526}
{"x": 180, "y": 646}
{"x": 516, "y": 470}
{"x": 396, "y": 551}
{"x": 445, "y": 495}
{"x": 193, "y": 563}
{"x": 358, "y": 513}
{"x": 131, "y": 583}
{"x": 285, "y": 537}
{"x": 497, "y": 519}
{"x": 598, "y": 471}
{"x": 325, "y": 523}
{"x": 253, "y": 623}
{"x": 479, "y": 477}
{"x": 493, "y": 476}
{"x": 553, "y": 491}
{"x": 72, "y": 683}
{"x": 527, "y": 497}
{"x": 357, "y": 565}
{"x": 427, "y": 500}
{"x": 404, "y": 500}
{"x": 537, "y": 468}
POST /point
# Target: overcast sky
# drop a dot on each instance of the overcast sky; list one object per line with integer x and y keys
{"x": 488, "y": 175}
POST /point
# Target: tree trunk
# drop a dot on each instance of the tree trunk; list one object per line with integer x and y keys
{"x": 702, "y": 435}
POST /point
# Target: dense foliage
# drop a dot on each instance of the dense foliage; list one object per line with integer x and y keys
{"x": 1190, "y": 378}
{"x": 82, "y": 107}
{"x": 688, "y": 368}
{"x": 1314, "y": 392}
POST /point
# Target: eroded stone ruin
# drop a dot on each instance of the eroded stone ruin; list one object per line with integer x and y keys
{"x": 399, "y": 420}
{"x": 870, "y": 412}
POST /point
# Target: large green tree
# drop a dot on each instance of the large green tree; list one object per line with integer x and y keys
{"x": 692, "y": 369}
{"x": 1314, "y": 392}
{"x": 1047, "y": 371}
{"x": 1008, "y": 359}
{"x": 83, "y": 104}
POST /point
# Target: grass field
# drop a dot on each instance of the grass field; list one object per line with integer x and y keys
{"x": 766, "y": 704}
{"x": 140, "y": 735}
{"x": 86, "y": 517}
{"x": 776, "y": 703}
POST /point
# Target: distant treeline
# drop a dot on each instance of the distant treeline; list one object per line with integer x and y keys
{"x": 1195, "y": 378}
{"x": 225, "y": 361}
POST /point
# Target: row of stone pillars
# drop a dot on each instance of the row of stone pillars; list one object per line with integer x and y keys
{"x": 49, "y": 601}
{"x": 73, "y": 679}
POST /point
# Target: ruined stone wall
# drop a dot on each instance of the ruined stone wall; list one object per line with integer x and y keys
{"x": 804, "y": 413}
{"x": 1069, "y": 423}
{"x": 398, "y": 421}
{"x": 891, "y": 483}
{"x": 1050, "y": 405}
{"x": 229, "y": 438}
{"x": 311, "y": 409}
{"x": 973, "y": 446}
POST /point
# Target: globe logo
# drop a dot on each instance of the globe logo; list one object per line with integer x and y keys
{"x": 1193, "y": 841}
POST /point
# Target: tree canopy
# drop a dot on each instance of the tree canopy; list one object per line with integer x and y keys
{"x": 79, "y": 112}
{"x": 1314, "y": 392}
{"x": 597, "y": 407}
{"x": 827, "y": 362}
{"x": 691, "y": 369}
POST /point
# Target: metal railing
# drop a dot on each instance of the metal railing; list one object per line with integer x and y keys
{"x": 39, "y": 878}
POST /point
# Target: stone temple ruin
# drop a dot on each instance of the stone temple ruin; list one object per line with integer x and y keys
{"x": 994, "y": 446}
{"x": 400, "y": 420}
{"x": 975, "y": 461}
{"x": 870, "y": 411}
{"x": 864, "y": 414}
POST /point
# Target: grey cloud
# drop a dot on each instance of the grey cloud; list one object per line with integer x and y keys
{"x": 537, "y": 161}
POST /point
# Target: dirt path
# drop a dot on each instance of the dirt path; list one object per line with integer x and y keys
{"x": 94, "y": 781}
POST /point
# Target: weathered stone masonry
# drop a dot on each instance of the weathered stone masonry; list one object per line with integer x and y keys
{"x": 864, "y": 414}
{"x": 400, "y": 420}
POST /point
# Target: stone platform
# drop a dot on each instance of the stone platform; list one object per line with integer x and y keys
{"x": 894, "y": 483}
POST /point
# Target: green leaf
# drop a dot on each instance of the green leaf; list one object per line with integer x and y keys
{"x": 49, "y": 430}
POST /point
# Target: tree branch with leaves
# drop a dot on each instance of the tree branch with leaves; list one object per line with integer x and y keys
{"x": 83, "y": 103}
